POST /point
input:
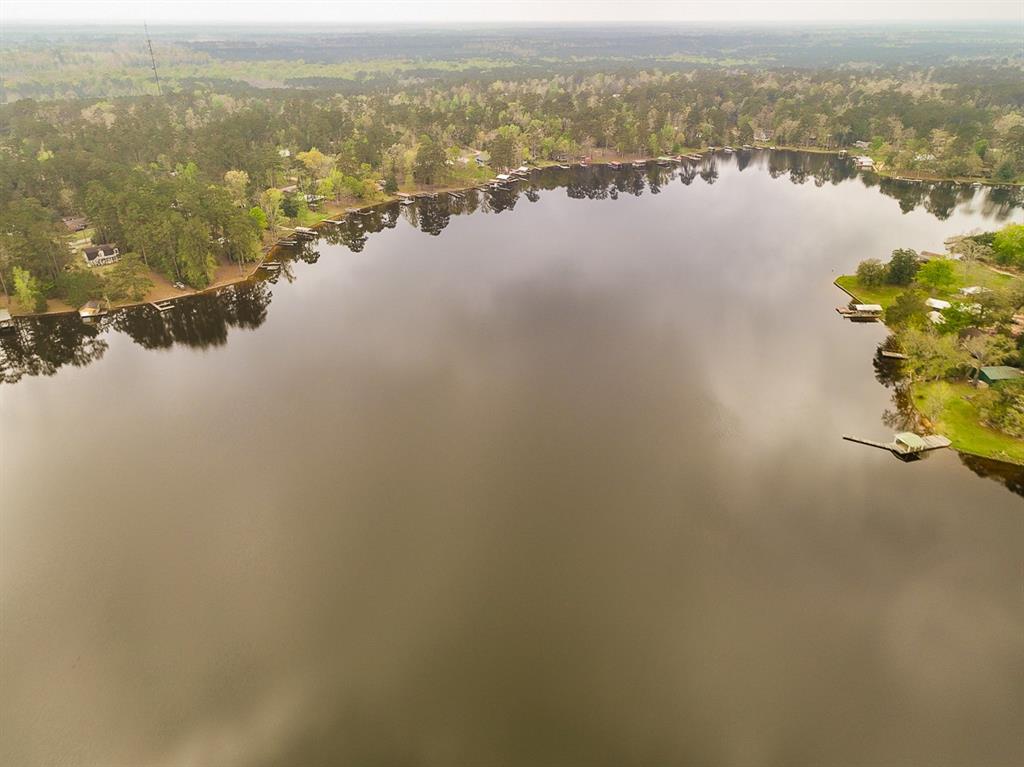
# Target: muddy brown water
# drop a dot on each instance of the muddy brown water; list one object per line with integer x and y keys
{"x": 550, "y": 477}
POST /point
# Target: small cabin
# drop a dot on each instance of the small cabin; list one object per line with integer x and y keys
{"x": 864, "y": 163}
{"x": 101, "y": 255}
{"x": 996, "y": 374}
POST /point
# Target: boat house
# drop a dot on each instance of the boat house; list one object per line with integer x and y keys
{"x": 101, "y": 255}
{"x": 908, "y": 442}
{"x": 995, "y": 374}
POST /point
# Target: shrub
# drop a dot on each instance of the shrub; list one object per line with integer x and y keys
{"x": 871, "y": 273}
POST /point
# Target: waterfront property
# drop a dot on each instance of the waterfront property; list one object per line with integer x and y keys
{"x": 906, "y": 444}
{"x": 6, "y": 321}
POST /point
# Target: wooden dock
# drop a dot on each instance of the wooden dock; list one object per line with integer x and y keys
{"x": 906, "y": 444}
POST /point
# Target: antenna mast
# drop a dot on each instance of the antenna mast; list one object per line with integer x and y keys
{"x": 152, "y": 59}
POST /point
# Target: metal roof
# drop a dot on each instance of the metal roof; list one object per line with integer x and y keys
{"x": 910, "y": 439}
{"x": 1001, "y": 372}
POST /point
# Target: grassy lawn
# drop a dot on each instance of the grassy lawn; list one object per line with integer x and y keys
{"x": 885, "y": 295}
{"x": 956, "y": 416}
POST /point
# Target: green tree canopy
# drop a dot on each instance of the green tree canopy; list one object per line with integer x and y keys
{"x": 902, "y": 267}
{"x": 129, "y": 279}
{"x": 430, "y": 161}
{"x": 937, "y": 274}
{"x": 1008, "y": 245}
{"x": 28, "y": 291}
{"x": 871, "y": 273}
{"x": 909, "y": 308}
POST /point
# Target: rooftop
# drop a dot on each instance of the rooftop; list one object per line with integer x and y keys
{"x": 1001, "y": 372}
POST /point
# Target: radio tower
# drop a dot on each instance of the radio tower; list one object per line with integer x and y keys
{"x": 152, "y": 60}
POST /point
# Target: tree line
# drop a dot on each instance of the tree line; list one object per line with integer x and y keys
{"x": 186, "y": 181}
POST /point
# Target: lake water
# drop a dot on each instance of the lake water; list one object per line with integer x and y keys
{"x": 562, "y": 485}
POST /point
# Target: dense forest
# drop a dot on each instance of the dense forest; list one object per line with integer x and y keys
{"x": 195, "y": 175}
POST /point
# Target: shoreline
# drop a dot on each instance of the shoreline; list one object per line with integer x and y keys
{"x": 924, "y": 419}
{"x": 606, "y": 157}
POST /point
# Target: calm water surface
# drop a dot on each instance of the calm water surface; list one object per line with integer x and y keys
{"x": 563, "y": 485}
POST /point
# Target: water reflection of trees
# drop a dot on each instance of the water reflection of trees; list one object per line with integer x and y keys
{"x": 40, "y": 347}
{"x": 200, "y": 321}
{"x": 1006, "y": 474}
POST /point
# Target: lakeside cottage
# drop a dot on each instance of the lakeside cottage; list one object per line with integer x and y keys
{"x": 101, "y": 255}
{"x": 995, "y": 374}
{"x": 864, "y": 163}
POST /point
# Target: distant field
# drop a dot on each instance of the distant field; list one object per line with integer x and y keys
{"x": 55, "y": 62}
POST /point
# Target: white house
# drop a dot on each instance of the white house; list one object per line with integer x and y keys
{"x": 101, "y": 255}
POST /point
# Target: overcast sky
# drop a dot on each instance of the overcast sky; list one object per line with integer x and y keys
{"x": 482, "y": 11}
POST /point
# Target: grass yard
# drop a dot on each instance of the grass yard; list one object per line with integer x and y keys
{"x": 883, "y": 295}
{"x": 953, "y": 409}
